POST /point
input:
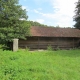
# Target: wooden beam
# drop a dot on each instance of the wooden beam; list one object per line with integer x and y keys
{"x": 73, "y": 42}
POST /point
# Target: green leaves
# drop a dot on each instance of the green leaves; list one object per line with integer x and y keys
{"x": 11, "y": 25}
{"x": 77, "y": 15}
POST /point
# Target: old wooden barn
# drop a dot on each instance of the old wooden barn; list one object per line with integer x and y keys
{"x": 42, "y": 37}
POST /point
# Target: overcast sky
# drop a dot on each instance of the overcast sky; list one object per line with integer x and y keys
{"x": 50, "y": 12}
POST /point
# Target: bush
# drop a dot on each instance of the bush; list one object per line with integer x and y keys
{"x": 2, "y": 46}
{"x": 27, "y": 48}
{"x": 49, "y": 48}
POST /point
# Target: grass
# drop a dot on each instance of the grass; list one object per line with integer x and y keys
{"x": 40, "y": 65}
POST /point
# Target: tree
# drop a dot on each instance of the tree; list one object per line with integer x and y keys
{"x": 77, "y": 15}
{"x": 34, "y": 23}
{"x": 11, "y": 23}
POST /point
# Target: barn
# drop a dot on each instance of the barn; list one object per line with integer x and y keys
{"x": 42, "y": 37}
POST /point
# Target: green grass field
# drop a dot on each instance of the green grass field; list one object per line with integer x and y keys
{"x": 40, "y": 65}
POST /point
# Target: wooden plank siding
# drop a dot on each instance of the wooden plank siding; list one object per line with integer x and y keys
{"x": 44, "y": 42}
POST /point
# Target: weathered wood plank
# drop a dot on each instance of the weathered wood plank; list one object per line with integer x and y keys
{"x": 43, "y": 43}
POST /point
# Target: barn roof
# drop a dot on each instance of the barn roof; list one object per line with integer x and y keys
{"x": 54, "y": 32}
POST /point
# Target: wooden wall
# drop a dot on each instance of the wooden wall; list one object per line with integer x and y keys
{"x": 44, "y": 42}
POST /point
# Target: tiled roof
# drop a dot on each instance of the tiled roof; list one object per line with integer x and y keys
{"x": 54, "y": 32}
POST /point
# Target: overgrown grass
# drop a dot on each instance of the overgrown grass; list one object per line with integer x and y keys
{"x": 40, "y": 65}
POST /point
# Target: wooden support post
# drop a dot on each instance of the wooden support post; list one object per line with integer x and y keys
{"x": 73, "y": 42}
{"x": 38, "y": 42}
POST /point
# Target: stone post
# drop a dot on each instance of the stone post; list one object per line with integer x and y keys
{"x": 15, "y": 44}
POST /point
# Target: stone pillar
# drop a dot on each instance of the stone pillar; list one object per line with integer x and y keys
{"x": 15, "y": 44}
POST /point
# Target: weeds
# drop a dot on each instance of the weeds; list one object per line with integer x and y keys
{"x": 40, "y": 65}
{"x": 49, "y": 48}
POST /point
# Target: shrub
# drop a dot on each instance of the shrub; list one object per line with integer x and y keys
{"x": 49, "y": 48}
{"x": 57, "y": 48}
{"x": 27, "y": 48}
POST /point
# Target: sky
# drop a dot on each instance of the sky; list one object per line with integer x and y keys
{"x": 50, "y": 12}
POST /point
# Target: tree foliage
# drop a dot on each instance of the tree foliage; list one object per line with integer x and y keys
{"x": 34, "y": 23}
{"x": 77, "y": 15}
{"x": 11, "y": 25}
